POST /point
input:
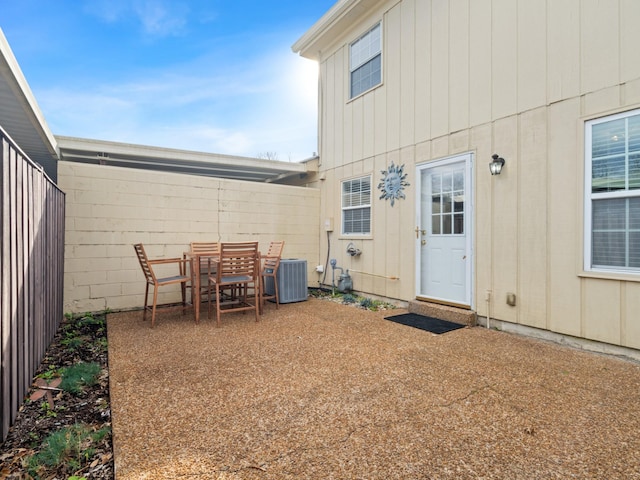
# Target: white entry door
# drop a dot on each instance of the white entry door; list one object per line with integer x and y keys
{"x": 443, "y": 232}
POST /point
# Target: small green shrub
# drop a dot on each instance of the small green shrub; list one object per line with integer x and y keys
{"x": 366, "y": 303}
{"x": 89, "y": 319}
{"x": 348, "y": 298}
{"x": 75, "y": 377}
{"x": 69, "y": 446}
{"x": 72, "y": 343}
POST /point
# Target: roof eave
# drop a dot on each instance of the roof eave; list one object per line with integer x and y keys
{"x": 311, "y": 44}
{"x": 32, "y": 135}
{"x": 331, "y": 25}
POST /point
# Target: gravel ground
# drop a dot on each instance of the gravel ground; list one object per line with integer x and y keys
{"x": 318, "y": 390}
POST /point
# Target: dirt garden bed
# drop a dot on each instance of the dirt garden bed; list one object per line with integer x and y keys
{"x": 63, "y": 429}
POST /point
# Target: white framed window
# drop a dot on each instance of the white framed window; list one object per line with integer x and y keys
{"x": 612, "y": 193}
{"x": 365, "y": 62}
{"x": 356, "y": 206}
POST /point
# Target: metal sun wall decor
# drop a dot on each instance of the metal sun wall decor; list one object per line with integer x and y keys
{"x": 392, "y": 183}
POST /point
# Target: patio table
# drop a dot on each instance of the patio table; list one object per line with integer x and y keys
{"x": 197, "y": 260}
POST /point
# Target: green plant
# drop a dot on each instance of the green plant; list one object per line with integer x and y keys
{"x": 47, "y": 410}
{"x": 102, "y": 343}
{"x": 348, "y": 298}
{"x": 34, "y": 437}
{"x": 89, "y": 319}
{"x": 79, "y": 375}
{"x": 376, "y": 304}
{"x": 351, "y": 299}
{"x": 72, "y": 343}
{"x": 366, "y": 303}
{"x": 69, "y": 446}
{"x": 50, "y": 373}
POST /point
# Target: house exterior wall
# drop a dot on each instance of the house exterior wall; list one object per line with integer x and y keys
{"x": 517, "y": 78}
{"x": 110, "y": 208}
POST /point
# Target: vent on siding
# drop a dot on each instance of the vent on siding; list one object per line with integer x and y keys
{"x": 292, "y": 281}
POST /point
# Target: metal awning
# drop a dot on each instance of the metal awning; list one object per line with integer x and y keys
{"x": 116, "y": 154}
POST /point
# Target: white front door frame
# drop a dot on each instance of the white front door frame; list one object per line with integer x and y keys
{"x": 464, "y": 295}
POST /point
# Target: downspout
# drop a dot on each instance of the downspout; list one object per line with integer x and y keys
{"x": 490, "y": 289}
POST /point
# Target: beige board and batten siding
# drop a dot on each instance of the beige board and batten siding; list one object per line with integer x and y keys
{"x": 517, "y": 78}
{"x": 111, "y": 208}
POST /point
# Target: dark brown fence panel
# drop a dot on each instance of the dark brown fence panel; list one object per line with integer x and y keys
{"x": 32, "y": 264}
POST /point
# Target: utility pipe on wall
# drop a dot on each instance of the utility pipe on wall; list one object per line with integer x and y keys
{"x": 488, "y": 299}
{"x": 374, "y": 275}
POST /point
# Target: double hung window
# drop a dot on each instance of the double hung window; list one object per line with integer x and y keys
{"x": 356, "y": 206}
{"x": 612, "y": 193}
{"x": 365, "y": 62}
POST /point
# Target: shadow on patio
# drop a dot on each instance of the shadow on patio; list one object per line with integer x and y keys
{"x": 319, "y": 390}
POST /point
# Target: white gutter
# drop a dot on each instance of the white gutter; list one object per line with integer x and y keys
{"x": 327, "y": 21}
{"x": 14, "y": 78}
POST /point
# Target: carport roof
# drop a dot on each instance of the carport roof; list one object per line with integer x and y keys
{"x": 101, "y": 152}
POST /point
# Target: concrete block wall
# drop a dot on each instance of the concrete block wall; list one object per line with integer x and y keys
{"x": 111, "y": 208}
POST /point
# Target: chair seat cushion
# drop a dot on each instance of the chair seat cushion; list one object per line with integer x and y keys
{"x": 175, "y": 278}
{"x": 236, "y": 279}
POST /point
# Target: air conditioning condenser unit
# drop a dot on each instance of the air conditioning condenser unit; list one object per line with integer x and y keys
{"x": 292, "y": 281}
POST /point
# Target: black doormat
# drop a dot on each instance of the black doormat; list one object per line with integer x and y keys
{"x": 430, "y": 324}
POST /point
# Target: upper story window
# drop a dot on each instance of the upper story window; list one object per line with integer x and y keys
{"x": 356, "y": 206}
{"x": 365, "y": 62}
{"x": 612, "y": 193}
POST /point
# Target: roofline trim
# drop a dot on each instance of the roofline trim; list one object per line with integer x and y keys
{"x": 141, "y": 156}
{"x": 17, "y": 80}
{"x": 327, "y": 21}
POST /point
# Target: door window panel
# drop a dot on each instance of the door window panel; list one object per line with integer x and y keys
{"x": 448, "y": 203}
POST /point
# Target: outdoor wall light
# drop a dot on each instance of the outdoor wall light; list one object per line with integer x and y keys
{"x": 495, "y": 166}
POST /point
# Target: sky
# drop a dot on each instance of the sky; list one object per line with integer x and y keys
{"x": 213, "y": 76}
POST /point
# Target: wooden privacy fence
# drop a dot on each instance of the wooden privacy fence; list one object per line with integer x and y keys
{"x": 32, "y": 261}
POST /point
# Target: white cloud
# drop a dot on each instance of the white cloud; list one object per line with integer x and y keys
{"x": 161, "y": 17}
{"x": 156, "y": 17}
{"x": 268, "y": 104}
